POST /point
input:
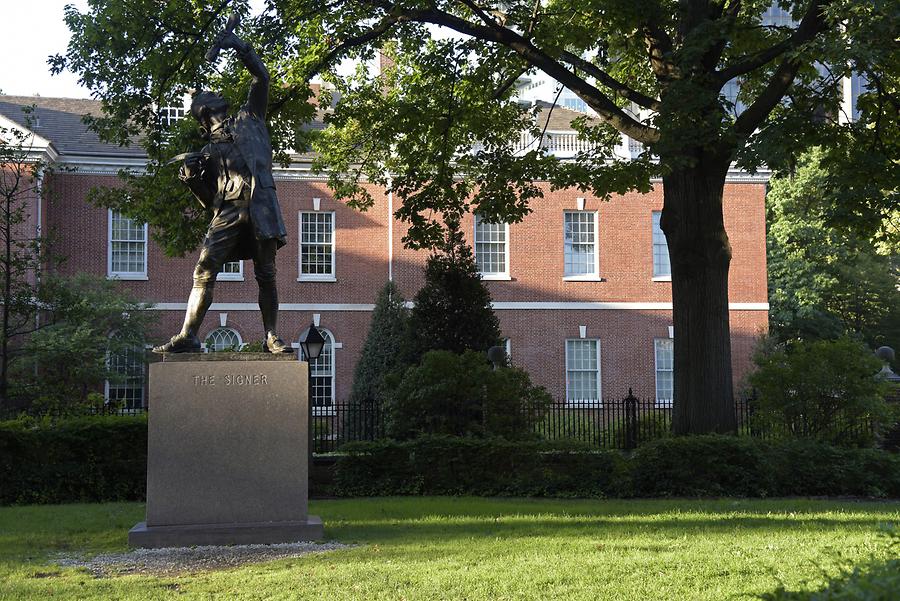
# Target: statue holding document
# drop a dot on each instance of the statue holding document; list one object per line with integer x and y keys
{"x": 232, "y": 176}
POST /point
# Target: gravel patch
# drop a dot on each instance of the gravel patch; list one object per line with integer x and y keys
{"x": 176, "y": 560}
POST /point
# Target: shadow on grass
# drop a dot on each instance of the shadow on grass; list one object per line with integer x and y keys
{"x": 447, "y": 529}
{"x": 459, "y": 519}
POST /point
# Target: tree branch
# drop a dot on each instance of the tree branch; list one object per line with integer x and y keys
{"x": 508, "y": 82}
{"x": 729, "y": 15}
{"x": 812, "y": 24}
{"x": 377, "y": 30}
{"x": 659, "y": 46}
{"x": 594, "y": 98}
{"x": 609, "y": 81}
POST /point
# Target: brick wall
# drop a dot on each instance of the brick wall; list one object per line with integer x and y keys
{"x": 536, "y": 275}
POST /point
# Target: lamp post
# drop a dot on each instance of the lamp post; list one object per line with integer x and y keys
{"x": 311, "y": 345}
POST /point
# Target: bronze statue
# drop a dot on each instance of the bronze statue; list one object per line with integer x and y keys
{"x": 232, "y": 175}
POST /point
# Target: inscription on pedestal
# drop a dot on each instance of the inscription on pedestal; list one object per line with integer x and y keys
{"x": 232, "y": 380}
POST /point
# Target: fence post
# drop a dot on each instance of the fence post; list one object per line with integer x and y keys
{"x": 631, "y": 421}
{"x": 368, "y": 418}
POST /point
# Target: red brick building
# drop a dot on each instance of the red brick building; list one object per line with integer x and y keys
{"x": 581, "y": 286}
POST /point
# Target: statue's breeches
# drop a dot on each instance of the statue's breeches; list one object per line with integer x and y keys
{"x": 231, "y": 237}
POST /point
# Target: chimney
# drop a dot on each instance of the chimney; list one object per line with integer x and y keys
{"x": 385, "y": 61}
{"x": 316, "y": 89}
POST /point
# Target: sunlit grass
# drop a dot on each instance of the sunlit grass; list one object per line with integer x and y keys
{"x": 471, "y": 548}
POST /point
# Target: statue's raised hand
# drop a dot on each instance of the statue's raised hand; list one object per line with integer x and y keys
{"x": 225, "y": 39}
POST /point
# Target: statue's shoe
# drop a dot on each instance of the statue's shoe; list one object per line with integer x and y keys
{"x": 274, "y": 344}
{"x": 179, "y": 344}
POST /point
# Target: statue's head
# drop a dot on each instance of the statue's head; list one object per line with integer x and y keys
{"x": 209, "y": 109}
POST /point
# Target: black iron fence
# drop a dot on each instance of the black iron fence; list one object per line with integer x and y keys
{"x": 607, "y": 424}
{"x": 622, "y": 423}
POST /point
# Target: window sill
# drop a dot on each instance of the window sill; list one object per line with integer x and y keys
{"x": 496, "y": 277}
{"x": 662, "y": 278}
{"x": 134, "y": 277}
{"x": 306, "y": 278}
{"x": 583, "y": 278}
{"x": 229, "y": 278}
{"x": 587, "y": 404}
{"x": 663, "y": 405}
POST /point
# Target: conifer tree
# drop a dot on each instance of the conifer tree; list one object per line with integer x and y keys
{"x": 453, "y": 310}
{"x": 383, "y": 351}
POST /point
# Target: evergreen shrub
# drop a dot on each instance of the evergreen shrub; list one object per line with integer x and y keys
{"x": 99, "y": 458}
{"x": 702, "y": 466}
{"x": 442, "y": 465}
{"x": 96, "y": 459}
{"x": 384, "y": 350}
{"x": 462, "y": 395}
{"x": 821, "y": 390}
{"x": 804, "y": 467}
{"x": 452, "y": 311}
{"x": 713, "y": 465}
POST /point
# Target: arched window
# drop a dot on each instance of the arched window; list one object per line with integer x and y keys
{"x": 223, "y": 339}
{"x": 322, "y": 372}
{"x": 126, "y": 388}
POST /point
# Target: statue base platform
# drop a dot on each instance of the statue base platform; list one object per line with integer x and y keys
{"x": 225, "y": 534}
{"x": 227, "y": 456}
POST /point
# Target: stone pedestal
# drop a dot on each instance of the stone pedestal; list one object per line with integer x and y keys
{"x": 227, "y": 455}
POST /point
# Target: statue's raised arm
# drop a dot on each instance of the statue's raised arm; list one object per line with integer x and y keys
{"x": 259, "y": 87}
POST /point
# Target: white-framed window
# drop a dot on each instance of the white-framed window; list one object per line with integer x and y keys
{"x": 233, "y": 270}
{"x": 127, "y": 390}
{"x": 321, "y": 373}
{"x": 127, "y": 251}
{"x": 223, "y": 339}
{"x": 664, "y": 357}
{"x": 662, "y": 268}
{"x": 317, "y": 246}
{"x": 580, "y": 245}
{"x": 731, "y": 91}
{"x": 492, "y": 249}
{"x": 575, "y": 103}
{"x": 777, "y": 17}
{"x": 583, "y": 371}
{"x": 169, "y": 115}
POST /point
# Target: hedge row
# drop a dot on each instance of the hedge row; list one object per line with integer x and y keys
{"x": 693, "y": 466}
{"x": 78, "y": 459}
{"x": 105, "y": 458}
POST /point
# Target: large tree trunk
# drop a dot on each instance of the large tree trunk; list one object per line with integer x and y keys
{"x": 700, "y": 254}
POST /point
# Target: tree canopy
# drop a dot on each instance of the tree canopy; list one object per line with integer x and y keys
{"x": 438, "y": 125}
{"x": 827, "y": 277}
{"x": 46, "y": 320}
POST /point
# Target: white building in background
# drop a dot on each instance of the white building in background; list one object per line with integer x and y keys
{"x": 541, "y": 88}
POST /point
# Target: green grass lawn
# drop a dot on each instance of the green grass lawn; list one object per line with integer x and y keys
{"x": 472, "y": 548}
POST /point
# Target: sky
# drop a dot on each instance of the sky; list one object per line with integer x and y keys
{"x": 30, "y": 31}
